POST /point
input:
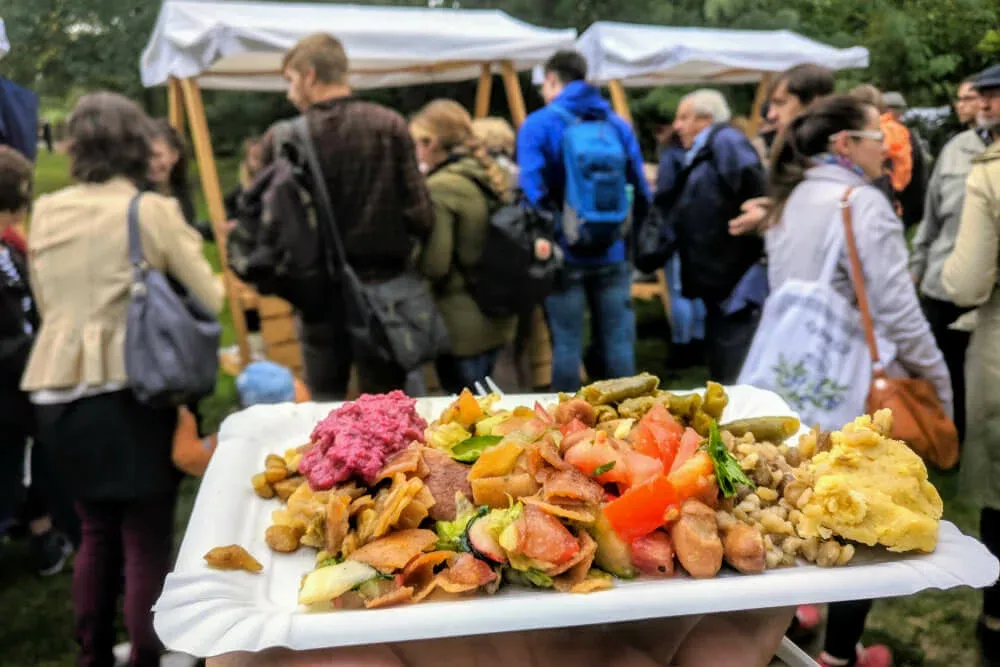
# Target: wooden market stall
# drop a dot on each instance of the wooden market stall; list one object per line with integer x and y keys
{"x": 238, "y": 46}
{"x": 623, "y": 55}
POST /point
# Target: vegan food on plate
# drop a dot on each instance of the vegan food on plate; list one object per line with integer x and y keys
{"x": 619, "y": 481}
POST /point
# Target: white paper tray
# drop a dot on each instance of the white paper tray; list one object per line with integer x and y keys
{"x": 206, "y": 612}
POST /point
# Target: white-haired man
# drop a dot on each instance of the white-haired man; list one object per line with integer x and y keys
{"x": 699, "y": 193}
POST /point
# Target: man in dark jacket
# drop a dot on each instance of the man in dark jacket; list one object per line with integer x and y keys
{"x": 18, "y": 323}
{"x": 722, "y": 170}
{"x": 379, "y": 200}
{"x": 601, "y": 280}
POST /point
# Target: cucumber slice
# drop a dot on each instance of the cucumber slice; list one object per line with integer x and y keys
{"x": 329, "y": 583}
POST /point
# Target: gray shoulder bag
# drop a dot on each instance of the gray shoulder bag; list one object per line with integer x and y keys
{"x": 171, "y": 340}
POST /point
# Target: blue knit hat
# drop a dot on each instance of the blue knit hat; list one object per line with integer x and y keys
{"x": 265, "y": 382}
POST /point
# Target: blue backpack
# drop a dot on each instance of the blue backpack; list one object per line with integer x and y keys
{"x": 18, "y": 118}
{"x": 597, "y": 204}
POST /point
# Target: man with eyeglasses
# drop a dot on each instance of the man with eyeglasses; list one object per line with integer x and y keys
{"x": 967, "y": 103}
{"x": 935, "y": 237}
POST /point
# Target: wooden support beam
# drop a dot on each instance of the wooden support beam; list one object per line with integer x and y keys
{"x": 175, "y": 104}
{"x": 515, "y": 98}
{"x": 758, "y": 103}
{"x": 202, "y": 141}
{"x": 619, "y": 100}
{"x": 484, "y": 91}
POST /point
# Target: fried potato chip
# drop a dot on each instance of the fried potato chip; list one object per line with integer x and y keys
{"x": 409, "y": 462}
{"x": 337, "y": 523}
{"x": 360, "y": 504}
{"x": 351, "y": 490}
{"x": 419, "y": 573}
{"x": 580, "y": 513}
{"x": 413, "y": 515}
{"x": 576, "y": 569}
{"x": 392, "y": 552}
{"x": 592, "y": 584}
{"x": 232, "y": 557}
{"x": 350, "y": 545}
{"x": 391, "y": 506}
{"x": 366, "y": 525}
{"x": 401, "y": 595}
{"x": 497, "y": 492}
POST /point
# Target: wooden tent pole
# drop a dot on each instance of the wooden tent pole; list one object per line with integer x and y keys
{"x": 484, "y": 91}
{"x": 758, "y": 103}
{"x": 216, "y": 210}
{"x": 619, "y": 100}
{"x": 175, "y": 104}
{"x": 515, "y": 98}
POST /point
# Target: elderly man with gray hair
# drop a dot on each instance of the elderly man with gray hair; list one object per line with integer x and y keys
{"x": 699, "y": 192}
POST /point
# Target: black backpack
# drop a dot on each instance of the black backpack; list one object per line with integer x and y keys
{"x": 520, "y": 258}
{"x": 276, "y": 246}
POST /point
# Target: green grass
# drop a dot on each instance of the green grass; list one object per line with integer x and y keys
{"x": 933, "y": 629}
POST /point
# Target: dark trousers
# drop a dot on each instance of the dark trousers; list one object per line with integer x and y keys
{"x": 989, "y": 530}
{"x": 45, "y": 497}
{"x": 458, "y": 373}
{"x": 953, "y": 344}
{"x": 136, "y": 535}
{"x": 327, "y": 357}
{"x": 727, "y": 340}
{"x": 845, "y": 623}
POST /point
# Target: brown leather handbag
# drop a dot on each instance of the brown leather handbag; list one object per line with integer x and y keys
{"x": 919, "y": 418}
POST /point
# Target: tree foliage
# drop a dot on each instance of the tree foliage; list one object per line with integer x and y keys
{"x": 919, "y": 47}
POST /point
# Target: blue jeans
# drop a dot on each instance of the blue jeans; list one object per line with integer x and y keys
{"x": 606, "y": 291}
{"x": 457, "y": 373}
{"x": 689, "y": 314}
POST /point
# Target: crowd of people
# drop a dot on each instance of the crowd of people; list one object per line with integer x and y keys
{"x": 745, "y": 216}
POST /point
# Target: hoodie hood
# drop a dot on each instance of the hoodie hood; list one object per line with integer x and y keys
{"x": 584, "y": 100}
{"x": 467, "y": 167}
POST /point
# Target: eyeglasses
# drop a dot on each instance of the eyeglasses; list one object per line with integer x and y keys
{"x": 874, "y": 135}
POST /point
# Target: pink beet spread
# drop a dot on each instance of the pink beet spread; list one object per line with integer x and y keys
{"x": 356, "y": 439}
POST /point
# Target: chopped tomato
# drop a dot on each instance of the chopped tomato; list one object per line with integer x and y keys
{"x": 653, "y": 554}
{"x": 574, "y": 426}
{"x": 642, "y": 468}
{"x": 544, "y": 538}
{"x": 589, "y": 455}
{"x": 658, "y": 435}
{"x": 690, "y": 478}
{"x": 640, "y": 510}
{"x": 690, "y": 442}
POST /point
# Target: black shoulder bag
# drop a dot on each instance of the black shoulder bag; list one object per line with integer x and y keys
{"x": 395, "y": 322}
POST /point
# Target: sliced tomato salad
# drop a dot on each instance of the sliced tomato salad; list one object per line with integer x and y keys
{"x": 640, "y": 510}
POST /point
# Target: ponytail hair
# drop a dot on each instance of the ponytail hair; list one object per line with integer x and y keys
{"x": 449, "y": 123}
{"x": 807, "y": 136}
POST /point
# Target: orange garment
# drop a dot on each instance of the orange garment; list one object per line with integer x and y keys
{"x": 900, "y": 152}
{"x": 191, "y": 454}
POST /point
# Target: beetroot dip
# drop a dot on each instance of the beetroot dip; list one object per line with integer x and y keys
{"x": 356, "y": 439}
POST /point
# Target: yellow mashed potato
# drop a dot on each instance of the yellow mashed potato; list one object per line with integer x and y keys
{"x": 871, "y": 489}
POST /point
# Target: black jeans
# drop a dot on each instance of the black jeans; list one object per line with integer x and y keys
{"x": 953, "y": 344}
{"x": 845, "y": 623}
{"x": 989, "y": 530}
{"x": 728, "y": 339}
{"x": 327, "y": 357}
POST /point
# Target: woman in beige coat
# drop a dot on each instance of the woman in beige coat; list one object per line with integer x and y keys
{"x": 970, "y": 278}
{"x": 113, "y": 453}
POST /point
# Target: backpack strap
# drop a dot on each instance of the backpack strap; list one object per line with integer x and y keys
{"x": 565, "y": 114}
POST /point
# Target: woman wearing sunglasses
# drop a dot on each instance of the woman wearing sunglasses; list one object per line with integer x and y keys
{"x": 835, "y": 147}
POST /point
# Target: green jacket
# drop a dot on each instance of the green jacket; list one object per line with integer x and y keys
{"x": 453, "y": 249}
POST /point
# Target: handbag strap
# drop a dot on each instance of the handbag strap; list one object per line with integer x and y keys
{"x": 135, "y": 256}
{"x": 327, "y": 223}
{"x": 858, "y": 279}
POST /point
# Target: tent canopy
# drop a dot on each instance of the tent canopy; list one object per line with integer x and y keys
{"x": 4, "y": 44}
{"x": 639, "y": 55}
{"x": 239, "y": 45}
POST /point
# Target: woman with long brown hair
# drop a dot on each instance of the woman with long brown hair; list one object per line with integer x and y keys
{"x": 113, "y": 452}
{"x": 465, "y": 185}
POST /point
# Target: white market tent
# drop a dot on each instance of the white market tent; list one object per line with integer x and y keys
{"x": 226, "y": 45}
{"x": 239, "y": 45}
{"x": 628, "y": 55}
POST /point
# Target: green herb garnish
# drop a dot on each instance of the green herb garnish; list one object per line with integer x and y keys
{"x": 326, "y": 562}
{"x": 470, "y": 449}
{"x": 527, "y": 578}
{"x": 728, "y": 473}
{"x": 607, "y": 467}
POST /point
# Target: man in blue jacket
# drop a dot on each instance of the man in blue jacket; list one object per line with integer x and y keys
{"x": 599, "y": 281}
{"x": 721, "y": 170}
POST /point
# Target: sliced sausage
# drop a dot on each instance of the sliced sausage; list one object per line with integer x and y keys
{"x": 696, "y": 540}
